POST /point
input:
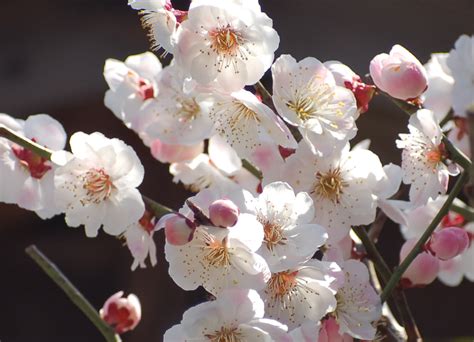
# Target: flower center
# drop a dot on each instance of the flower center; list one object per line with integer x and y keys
{"x": 189, "y": 109}
{"x": 225, "y": 335}
{"x": 98, "y": 185}
{"x": 225, "y": 40}
{"x": 36, "y": 165}
{"x": 242, "y": 113}
{"x": 217, "y": 253}
{"x": 281, "y": 284}
{"x": 273, "y": 234}
{"x": 314, "y": 99}
{"x": 330, "y": 185}
{"x": 303, "y": 107}
{"x": 434, "y": 156}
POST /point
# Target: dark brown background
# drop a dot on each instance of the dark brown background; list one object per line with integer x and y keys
{"x": 51, "y": 61}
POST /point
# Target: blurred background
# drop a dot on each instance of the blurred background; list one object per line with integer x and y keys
{"x": 51, "y": 62}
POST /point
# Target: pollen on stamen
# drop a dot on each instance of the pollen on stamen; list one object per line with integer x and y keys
{"x": 330, "y": 185}
{"x": 98, "y": 186}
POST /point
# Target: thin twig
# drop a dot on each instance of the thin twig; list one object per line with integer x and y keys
{"x": 398, "y": 273}
{"x": 73, "y": 293}
{"x": 25, "y": 142}
{"x": 408, "y": 108}
{"x": 447, "y": 118}
{"x": 252, "y": 169}
{"x": 268, "y": 101}
{"x": 390, "y": 324}
{"x": 158, "y": 209}
{"x": 462, "y": 208}
{"x": 399, "y": 299}
{"x": 377, "y": 226}
{"x": 470, "y": 186}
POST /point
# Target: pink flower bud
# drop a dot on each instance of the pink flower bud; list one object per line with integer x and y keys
{"x": 448, "y": 242}
{"x": 423, "y": 270}
{"x": 179, "y": 230}
{"x": 123, "y": 314}
{"x": 167, "y": 153}
{"x": 400, "y": 74}
{"x": 223, "y": 213}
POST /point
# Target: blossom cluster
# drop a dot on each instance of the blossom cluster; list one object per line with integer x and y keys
{"x": 279, "y": 182}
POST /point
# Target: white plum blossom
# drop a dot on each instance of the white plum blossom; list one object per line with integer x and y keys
{"x": 229, "y": 42}
{"x": 139, "y": 239}
{"x": 289, "y": 236}
{"x": 236, "y": 315}
{"x": 342, "y": 186}
{"x": 358, "y": 305}
{"x": 301, "y": 293}
{"x": 306, "y": 95}
{"x": 461, "y": 64}
{"x": 96, "y": 186}
{"x": 176, "y": 116}
{"x": 439, "y": 95}
{"x": 161, "y": 20}
{"x": 219, "y": 258}
{"x": 133, "y": 84}
{"x": 26, "y": 178}
{"x": 245, "y": 123}
{"x": 423, "y": 158}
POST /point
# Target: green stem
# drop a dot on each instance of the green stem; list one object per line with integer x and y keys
{"x": 399, "y": 299}
{"x": 373, "y": 253}
{"x": 462, "y": 208}
{"x": 25, "y": 142}
{"x": 73, "y": 293}
{"x": 265, "y": 94}
{"x": 267, "y": 100}
{"x": 447, "y": 118}
{"x": 458, "y": 156}
{"x": 403, "y": 105}
{"x": 398, "y": 273}
{"x": 158, "y": 209}
{"x": 252, "y": 169}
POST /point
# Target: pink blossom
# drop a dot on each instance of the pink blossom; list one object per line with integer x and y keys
{"x": 423, "y": 270}
{"x": 448, "y": 243}
{"x": 400, "y": 74}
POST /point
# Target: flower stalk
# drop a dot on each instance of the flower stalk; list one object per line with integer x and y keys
{"x": 73, "y": 293}
{"x": 24, "y": 142}
{"x": 399, "y": 299}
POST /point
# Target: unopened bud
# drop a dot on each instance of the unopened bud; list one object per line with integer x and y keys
{"x": 400, "y": 74}
{"x": 423, "y": 270}
{"x": 123, "y": 314}
{"x": 449, "y": 242}
{"x": 179, "y": 230}
{"x": 223, "y": 213}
